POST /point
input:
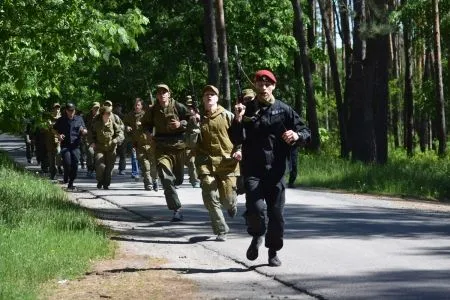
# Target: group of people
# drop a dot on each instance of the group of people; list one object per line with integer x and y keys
{"x": 244, "y": 151}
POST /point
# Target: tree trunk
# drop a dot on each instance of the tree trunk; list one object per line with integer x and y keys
{"x": 396, "y": 97}
{"x": 361, "y": 116}
{"x": 311, "y": 31}
{"x": 223, "y": 54}
{"x": 307, "y": 77}
{"x": 346, "y": 39}
{"x": 440, "y": 101}
{"x": 325, "y": 10}
{"x": 408, "y": 94}
{"x": 380, "y": 54}
{"x": 212, "y": 54}
{"x": 298, "y": 86}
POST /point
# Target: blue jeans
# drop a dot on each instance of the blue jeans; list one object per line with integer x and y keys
{"x": 134, "y": 163}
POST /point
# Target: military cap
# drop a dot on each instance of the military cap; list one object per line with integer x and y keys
{"x": 70, "y": 106}
{"x": 95, "y": 104}
{"x": 56, "y": 105}
{"x": 248, "y": 93}
{"x": 211, "y": 88}
{"x": 107, "y": 103}
{"x": 162, "y": 86}
{"x": 265, "y": 75}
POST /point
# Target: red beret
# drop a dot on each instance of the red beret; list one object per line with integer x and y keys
{"x": 265, "y": 75}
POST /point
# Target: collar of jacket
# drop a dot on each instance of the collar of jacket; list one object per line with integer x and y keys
{"x": 264, "y": 102}
{"x": 217, "y": 112}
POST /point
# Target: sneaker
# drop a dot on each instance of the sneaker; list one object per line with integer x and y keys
{"x": 155, "y": 185}
{"x": 222, "y": 237}
{"x": 274, "y": 261}
{"x": 106, "y": 187}
{"x": 177, "y": 216}
{"x": 29, "y": 161}
{"x": 232, "y": 211}
{"x": 148, "y": 187}
{"x": 252, "y": 251}
{"x": 121, "y": 172}
{"x": 195, "y": 184}
{"x": 70, "y": 186}
{"x": 99, "y": 185}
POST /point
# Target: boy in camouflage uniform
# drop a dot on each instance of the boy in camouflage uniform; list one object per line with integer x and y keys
{"x": 104, "y": 136}
{"x": 168, "y": 119}
{"x": 143, "y": 145}
{"x": 217, "y": 161}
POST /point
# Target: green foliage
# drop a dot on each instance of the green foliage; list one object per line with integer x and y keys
{"x": 424, "y": 176}
{"x": 43, "y": 236}
{"x": 44, "y": 42}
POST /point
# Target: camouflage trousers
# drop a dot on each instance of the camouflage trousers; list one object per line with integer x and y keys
{"x": 190, "y": 164}
{"x": 54, "y": 160}
{"x": 104, "y": 164}
{"x": 89, "y": 151}
{"x": 218, "y": 191}
{"x": 147, "y": 161}
{"x": 170, "y": 167}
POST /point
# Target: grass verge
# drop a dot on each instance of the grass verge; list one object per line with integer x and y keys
{"x": 425, "y": 176}
{"x": 43, "y": 235}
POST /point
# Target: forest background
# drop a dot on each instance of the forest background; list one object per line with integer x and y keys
{"x": 369, "y": 76}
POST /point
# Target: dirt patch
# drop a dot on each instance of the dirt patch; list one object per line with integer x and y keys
{"x": 125, "y": 277}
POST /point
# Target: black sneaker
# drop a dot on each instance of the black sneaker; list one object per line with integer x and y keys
{"x": 274, "y": 261}
{"x": 71, "y": 186}
{"x": 106, "y": 187}
{"x": 155, "y": 185}
{"x": 148, "y": 187}
{"x": 177, "y": 216}
{"x": 99, "y": 185}
{"x": 252, "y": 251}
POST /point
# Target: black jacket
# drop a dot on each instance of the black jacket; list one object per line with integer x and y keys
{"x": 70, "y": 129}
{"x": 264, "y": 151}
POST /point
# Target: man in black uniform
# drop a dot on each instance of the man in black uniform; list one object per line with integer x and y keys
{"x": 70, "y": 128}
{"x": 267, "y": 129}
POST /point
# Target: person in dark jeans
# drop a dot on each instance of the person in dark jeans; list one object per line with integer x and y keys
{"x": 70, "y": 128}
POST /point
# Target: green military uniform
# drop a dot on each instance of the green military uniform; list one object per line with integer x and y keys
{"x": 106, "y": 136}
{"x": 88, "y": 120}
{"x": 52, "y": 144}
{"x": 169, "y": 146}
{"x": 190, "y": 153}
{"x": 216, "y": 168}
{"x": 145, "y": 148}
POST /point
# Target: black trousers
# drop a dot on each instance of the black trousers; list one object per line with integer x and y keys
{"x": 261, "y": 195}
{"x": 122, "y": 154}
{"x": 70, "y": 158}
{"x": 293, "y": 167}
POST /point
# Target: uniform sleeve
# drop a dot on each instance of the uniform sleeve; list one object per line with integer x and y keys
{"x": 92, "y": 134}
{"x": 118, "y": 133}
{"x": 147, "y": 120}
{"x": 299, "y": 126}
{"x": 183, "y": 114}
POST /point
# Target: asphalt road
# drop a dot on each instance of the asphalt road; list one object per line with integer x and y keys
{"x": 337, "y": 246}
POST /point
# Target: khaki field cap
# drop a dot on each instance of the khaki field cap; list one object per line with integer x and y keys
{"x": 248, "y": 93}
{"x": 107, "y": 103}
{"x": 162, "y": 86}
{"x": 56, "y": 105}
{"x": 265, "y": 75}
{"x": 211, "y": 88}
{"x": 95, "y": 104}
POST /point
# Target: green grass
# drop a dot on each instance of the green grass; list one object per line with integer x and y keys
{"x": 425, "y": 176}
{"x": 43, "y": 236}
